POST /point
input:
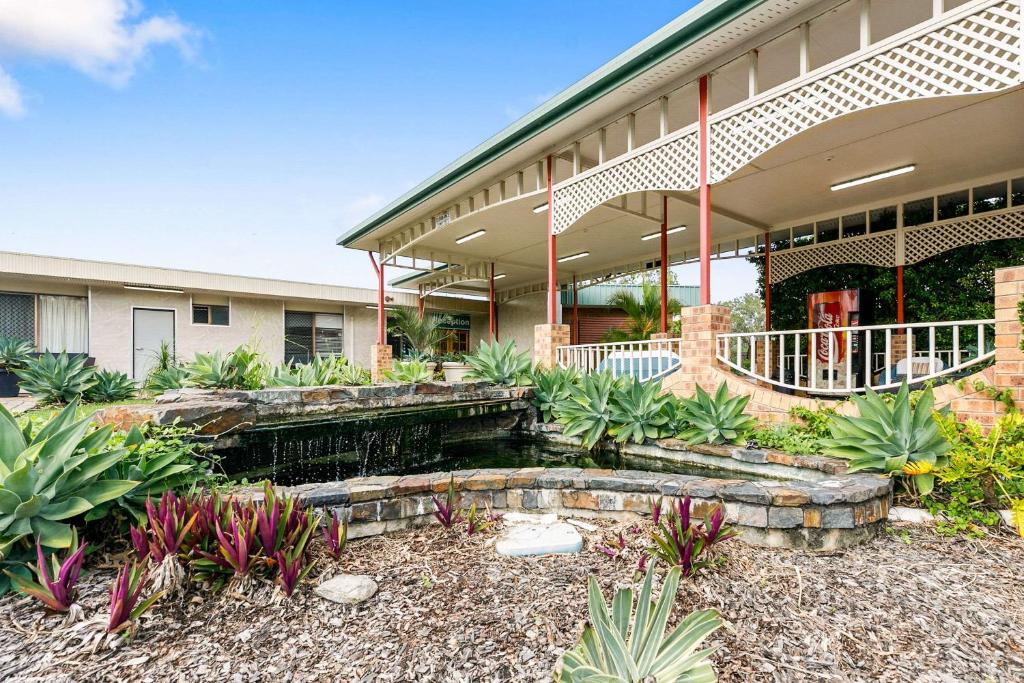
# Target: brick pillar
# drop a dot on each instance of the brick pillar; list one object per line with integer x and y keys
{"x": 547, "y": 338}
{"x": 1009, "y": 366}
{"x": 773, "y": 357}
{"x": 380, "y": 361}
{"x": 661, "y": 335}
{"x": 701, "y": 325}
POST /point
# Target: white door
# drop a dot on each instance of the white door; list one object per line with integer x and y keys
{"x": 150, "y": 328}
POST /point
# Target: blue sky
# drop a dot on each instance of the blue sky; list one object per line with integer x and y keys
{"x": 244, "y": 137}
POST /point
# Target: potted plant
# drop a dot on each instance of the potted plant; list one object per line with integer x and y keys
{"x": 14, "y": 354}
{"x": 454, "y": 366}
{"x": 424, "y": 335}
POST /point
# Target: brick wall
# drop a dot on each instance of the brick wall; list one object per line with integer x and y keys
{"x": 546, "y": 339}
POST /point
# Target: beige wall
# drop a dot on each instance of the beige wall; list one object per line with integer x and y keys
{"x": 360, "y": 333}
{"x": 256, "y": 321}
{"x": 31, "y": 286}
{"x": 517, "y": 318}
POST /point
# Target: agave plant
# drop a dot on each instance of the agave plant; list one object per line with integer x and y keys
{"x": 446, "y": 511}
{"x": 15, "y": 353}
{"x": 684, "y": 544}
{"x": 551, "y": 387}
{"x": 240, "y": 369}
{"x": 715, "y": 420}
{"x": 410, "y": 372}
{"x": 52, "y": 475}
{"x": 167, "y": 379}
{"x": 638, "y": 411}
{"x": 111, "y": 385}
{"x": 57, "y": 582}
{"x": 587, "y": 412}
{"x": 623, "y": 644}
{"x": 352, "y": 375}
{"x": 891, "y": 437}
{"x": 125, "y": 608}
{"x": 498, "y": 362}
{"x": 335, "y": 533}
{"x": 57, "y": 379}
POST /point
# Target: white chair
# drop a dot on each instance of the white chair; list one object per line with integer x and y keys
{"x": 920, "y": 365}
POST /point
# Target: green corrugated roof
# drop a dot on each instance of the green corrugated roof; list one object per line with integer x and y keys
{"x": 670, "y": 39}
{"x": 598, "y": 295}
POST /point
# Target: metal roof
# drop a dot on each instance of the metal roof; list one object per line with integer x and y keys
{"x": 599, "y": 295}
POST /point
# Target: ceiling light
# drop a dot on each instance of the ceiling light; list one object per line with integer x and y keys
{"x": 670, "y": 231}
{"x": 386, "y": 308}
{"x": 872, "y": 178}
{"x": 540, "y": 209}
{"x": 162, "y": 290}
{"x": 573, "y": 257}
{"x": 470, "y": 236}
{"x": 500, "y": 275}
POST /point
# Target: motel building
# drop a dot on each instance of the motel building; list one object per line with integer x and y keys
{"x": 807, "y": 133}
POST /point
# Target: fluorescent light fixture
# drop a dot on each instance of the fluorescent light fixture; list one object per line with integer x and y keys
{"x": 498, "y": 276}
{"x": 471, "y": 236}
{"x": 386, "y": 308}
{"x": 540, "y": 209}
{"x": 873, "y": 177}
{"x": 573, "y": 257}
{"x": 670, "y": 231}
{"x": 162, "y": 290}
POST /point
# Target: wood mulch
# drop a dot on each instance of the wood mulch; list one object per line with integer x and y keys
{"x": 908, "y": 606}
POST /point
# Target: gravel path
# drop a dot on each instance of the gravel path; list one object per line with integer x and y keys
{"x": 909, "y": 606}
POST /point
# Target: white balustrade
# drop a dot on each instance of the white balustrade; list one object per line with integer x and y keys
{"x": 845, "y": 360}
{"x": 647, "y": 360}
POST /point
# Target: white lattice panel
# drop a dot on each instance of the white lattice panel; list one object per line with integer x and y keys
{"x": 873, "y": 250}
{"x": 974, "y": 54}
{"x": 670, "y": 166}
{"x": 922, "y": 243}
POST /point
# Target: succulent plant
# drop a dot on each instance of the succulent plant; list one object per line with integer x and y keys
{"x": 125, "y": 608}
{"x": 715, "y": 420}
{"x": 891, "y": 437}
{"x": 410, "y": 372}
{"x": 586, "y": 413}
{"x": 15, "y": 353}
{"x": 56, "y": 583}
{"x": 498, "y": 362}
{"x": 551, "y": 387}
{"x": 240, "y": 369}
{"x": 166, "y": 379}
{"x": 638, "y": 411}
{"x": 681, "y": 543}
{"x": 632, "y": 645}
{"x": 57, "y": 379}
{"x": 111, "y": 385}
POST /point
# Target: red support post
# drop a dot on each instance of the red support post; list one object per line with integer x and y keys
{"x": 492, "y": 318}
{"x": 575, "y": 312}
{"x": 767, "y": 281}
{"x": 419, "y": 304}
{"x": 381, "y": 316}
{"x": 552, "y": 253}
{"x": 899, "y": 294}
{"x": 705, "y": 196}
{"x": 664, "y": 264}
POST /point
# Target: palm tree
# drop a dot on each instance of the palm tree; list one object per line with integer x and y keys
{"x": 644, "y": 313}
{"x": 423, "y": 335}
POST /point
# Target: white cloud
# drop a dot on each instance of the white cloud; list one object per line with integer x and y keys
{"x": 105, "y": 39}
{"x": 10, "y": 96}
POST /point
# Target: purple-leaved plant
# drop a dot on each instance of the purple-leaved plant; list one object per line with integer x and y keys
{"x": 125, "y": 592}
{"x": 335, "y": 532}
{"x": 445, "y": 511}
{"x": 687, "y": 545}
{"x": 56, "y": 585}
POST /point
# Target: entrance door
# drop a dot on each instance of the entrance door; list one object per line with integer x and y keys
{"x": 150, "y": 328}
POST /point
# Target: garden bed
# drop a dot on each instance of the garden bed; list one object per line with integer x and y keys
{"x": 907, "y": 606}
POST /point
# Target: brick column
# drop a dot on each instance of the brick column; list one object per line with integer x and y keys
{"x": 661, "y": 335}
{"x": 700, "y": 326}
{"x": 547, "y": 338}
{"x": 380, "y": 361}
{"x": 1009, "y": 366}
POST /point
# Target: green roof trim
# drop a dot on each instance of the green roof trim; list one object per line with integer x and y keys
{"x": 691, "y": 26}
{"x": 599, "y": 295}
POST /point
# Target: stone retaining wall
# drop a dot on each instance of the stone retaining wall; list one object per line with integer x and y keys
{"x": 822, "y": 515}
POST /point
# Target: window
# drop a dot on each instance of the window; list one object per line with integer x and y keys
{"x": 18, "y": 316}
{"x": 883, "y": 219}
{"x": 456, "y": 342}
{"x": 855, "y": 224}
{"x": 828, "y": 230}
{"x": 210, "y": 314}
{"x": 990, "y": 197}
{"x": 328, "y": 334}
{"x": 803, "y": 235}
{"x": 919, "y": 212}
{"x": 953, "y": 205}
{"x": 63, "y": 324}
{"x": 307, "y": 335}
{"x": 1017, "y": 191}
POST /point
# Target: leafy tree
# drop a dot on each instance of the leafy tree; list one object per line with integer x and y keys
{"x": 644, "y": 313}
{"x": 425, "y": 335}
{"x": 747, "y": 312}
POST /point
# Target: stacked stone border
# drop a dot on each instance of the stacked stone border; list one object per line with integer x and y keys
{"x": 822, "y": 515}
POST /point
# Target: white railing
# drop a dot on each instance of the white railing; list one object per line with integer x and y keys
{"x": 848, "y": 359}
{"x": 647, "y": 360}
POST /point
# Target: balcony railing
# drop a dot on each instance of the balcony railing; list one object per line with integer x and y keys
{"x": 845, "y": 360}
{"x": 647, "y": 360}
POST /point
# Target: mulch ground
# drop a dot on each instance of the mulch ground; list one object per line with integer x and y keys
{"x": 909, "y": 606}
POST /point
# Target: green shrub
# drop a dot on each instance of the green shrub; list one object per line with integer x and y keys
{"x": 321, "y": 371}
{"x": 804, "y": 435}
{"x": 351, "y": 375}
{"x": 891, "y": 437}
{"x": 51, "y": 474}
{"x": 110, "y": 386}
{"x": 410, "y": 372}
{"x": 551, "y": 387}
{"x": 57, "y": 379}
{"x": 632, "y": 645}
{"x": 15, "y": 353}
{"x": 240, "y": 369}
{"x": 587, "y": 411}
{"x": 715, "y": 420}
{"x": 638, "y": 411}
{"x": 498, "y": 362}
{"x": 166, "y": 379}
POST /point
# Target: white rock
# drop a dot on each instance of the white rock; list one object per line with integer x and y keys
{"x": 539, "y": 539}
{"x": 1007, "y": 516}
{"x": 347, "y": 589}
{"x": 582, "y": 525}
{"x": 528, "y": 518}
{"x": 912, "y": 515}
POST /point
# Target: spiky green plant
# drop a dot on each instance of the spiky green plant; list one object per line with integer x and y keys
{"x": 551, "y": 387}
{"x": 321, "y": 371}
{"x": 166, "y": 379}
{"x": 111, "y": 385}
{"x": 240, "y": 369}
{"x": 892, "y": 437}
{"x": 638, "y": 411}
{"x": 51, "y": 475}
{"x": 643, "y": 313}
{"x": 15, "y": 353}
{"x": 57, "y": 379}
{"x": 715, "y": 420}
{"x": 424, "y": 335}
{"x": 633, "y": 646}
{"x": 587, "y": 412}
{"x": 353, "y": 375}
{"x": 499, "y": 362}
{"x": 410, "y": 372}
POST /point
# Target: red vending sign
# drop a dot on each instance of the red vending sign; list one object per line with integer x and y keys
{"x": 833, "y": 309}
